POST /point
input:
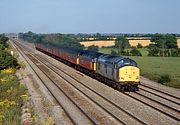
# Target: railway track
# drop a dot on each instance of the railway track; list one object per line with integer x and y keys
{"x": 46, "y": 72}
{"x": 159, "y": 93}
{"x": 20, "y": 51}
{"x": 163, "y": 108}
{"x": 85, "y": 120}
{"x": 115, "y": 106}
{"x": 172, "y": 105}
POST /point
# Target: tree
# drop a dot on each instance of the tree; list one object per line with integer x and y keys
{"x": 93, "y": 48}
{"x": 121, "y": 43}
{"x": 7, "y": 60}
{"x": 3, "y": 40}
{"x": 58, "y": 39}
{"x": 113, "y": 52}
{"x": 153, "y": 51}
{"x": 2, "y": 47}
{"x": 164, "y": 42}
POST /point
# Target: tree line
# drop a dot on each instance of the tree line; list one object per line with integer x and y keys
{"x": 163, "y": 45}
{"x": 57, "y": 39}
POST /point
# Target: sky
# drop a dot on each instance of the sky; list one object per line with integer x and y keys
{"x": 90, "y": 16}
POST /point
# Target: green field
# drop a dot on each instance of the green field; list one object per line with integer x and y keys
{"x": 143, "y": 51}
{"x": 154, "y": 67}
{"x": 107, "y": 50}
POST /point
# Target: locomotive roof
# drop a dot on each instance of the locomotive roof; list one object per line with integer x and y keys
{"x": 110, "y": 58}
{"x": 90, "y": 54}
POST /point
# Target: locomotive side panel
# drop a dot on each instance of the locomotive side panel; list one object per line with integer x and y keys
{"x": 86, "y": 63}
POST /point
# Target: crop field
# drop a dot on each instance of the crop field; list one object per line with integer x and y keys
{"x": 142, "y": 42}
{"x": 98, "y": 43}
{"x": 154, "y": 67}
{"x": 178, "y": 43}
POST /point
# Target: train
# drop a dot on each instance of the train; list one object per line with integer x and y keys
{"x": 118, "y": 72}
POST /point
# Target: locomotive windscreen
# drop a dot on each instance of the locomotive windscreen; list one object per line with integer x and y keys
{"x": 127, "y": 62}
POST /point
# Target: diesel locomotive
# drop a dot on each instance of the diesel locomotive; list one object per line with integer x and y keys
{"x": 116, "y": 71}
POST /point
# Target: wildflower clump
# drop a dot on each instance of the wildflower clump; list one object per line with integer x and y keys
{"x": 8, "y": 71}
{"x": 11, "y": 97}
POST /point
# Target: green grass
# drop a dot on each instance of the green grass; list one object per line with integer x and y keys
{"x": 154, "y": 67}
{"x": 107, "y": 50}
{"x": 144, "y": 51}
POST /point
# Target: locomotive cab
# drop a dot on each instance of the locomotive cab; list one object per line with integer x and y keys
{"x": 128, "y": 71}
{"x": 122, "y": 70}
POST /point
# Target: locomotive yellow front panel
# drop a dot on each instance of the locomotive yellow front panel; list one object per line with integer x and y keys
{"x": 129, "y": 74}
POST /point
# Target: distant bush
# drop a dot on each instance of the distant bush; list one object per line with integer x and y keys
{"x": 153, "y": 52}
{"x": 7, "y": 60}
{"x": 135, "y": 52}
{"x": 93, "y": 48}
{"x": 113, "y": 52}
{"x": 164, "y": 79}
{"x": 125, "y": 53}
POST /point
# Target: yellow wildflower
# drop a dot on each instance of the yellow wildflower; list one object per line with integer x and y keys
{"x": 6, "y": 103}
{"x": 10, "y": 90}
{"x": 25, "y": 96}
{"x": 8, "y": 71}
{"x": 3, "y": 80}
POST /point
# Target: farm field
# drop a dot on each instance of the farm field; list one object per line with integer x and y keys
{"x": 154, "y": 67}
{"x": 99, "y": 43}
